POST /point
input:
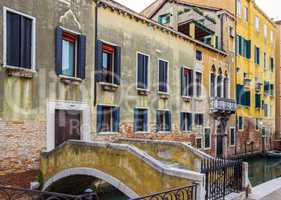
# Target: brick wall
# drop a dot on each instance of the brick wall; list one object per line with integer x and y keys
{"x": 21, "y": 143}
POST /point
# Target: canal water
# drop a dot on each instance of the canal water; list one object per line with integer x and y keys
{"x": 263, "y": 169}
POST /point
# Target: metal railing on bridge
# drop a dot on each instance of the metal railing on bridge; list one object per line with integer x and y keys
{"x": 182, "y": 193}
{"x": 11, "y": 193}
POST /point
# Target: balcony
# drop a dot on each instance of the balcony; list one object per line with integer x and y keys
{"x": 222, "y": 106}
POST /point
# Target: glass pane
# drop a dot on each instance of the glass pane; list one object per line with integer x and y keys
{"x": 68, "y": 58}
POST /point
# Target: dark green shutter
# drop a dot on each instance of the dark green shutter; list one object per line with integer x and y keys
{"x": 99, "y": 61}
{"x": 117, "y": 66}
{"x": 81, "y": 60}
{"x": 58, "y": 56}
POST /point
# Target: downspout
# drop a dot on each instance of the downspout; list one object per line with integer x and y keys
{"x": 235, "y": 74}
{"x": 96, "y": 39}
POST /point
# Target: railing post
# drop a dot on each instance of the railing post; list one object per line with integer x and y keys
{"x": 245, "y": 174}
{"x": 201, "y": 189}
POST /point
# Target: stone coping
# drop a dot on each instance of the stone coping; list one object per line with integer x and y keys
{"x": 156, "y": 164}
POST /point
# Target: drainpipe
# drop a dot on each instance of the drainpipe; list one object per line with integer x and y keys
{"x": 96, "y": 35}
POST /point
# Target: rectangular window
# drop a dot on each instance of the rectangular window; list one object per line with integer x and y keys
{"x": 240, "y": 123}
{"x": 186, "y": 82}
{"x": 198, "y": 81}
{"x": 186, "y": 121}
{"x": 257, "y": 23}
{"x": 163, "y": 76}
{"x": 239, "y": 7}
{"x": 257, "y": 55}
{"x": 107, "y": 63}
{"x": 163, "y": 121}
{"x": 199, "y": 119}
{"x": 265, "y": 31}
{"x": 266, "y": 88}
{"x": 265, "y": 107}
{"x": 70, "y": 54}
{"x": 257, "y": 124}
{"x": 246, "y": 13}
{"x": 258, "y": 101}
{"x": 164, "y": 19}
{"x": 232, "y": 136}
{"x": 140, "y": 120}
{"x": 271, "y": 36}
{"x": 108, "y": 119}
{"x": 207, "y": 138}
{"x": 212, "y": 84}
{"x": 199, "y": 55}
{"x": 265, "y": 60}
{"x": 142, "y": 71}
{"x": 19, "y": 40}
{"x": 199, "y": 143}
{"x": 271, "y": 64}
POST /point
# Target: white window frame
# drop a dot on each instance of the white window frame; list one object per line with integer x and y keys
{"x": 215, "y": 85}
{"x": 165, "y": 132}
{"x": 148, "y": 130}
{"x": 199, "y": 138}
{"x": 198, "y": 126}
{"x": 148, "y": 74}
{"x": 235, "y": 136}
{"x": 239, "y": 7}
{"x": 210, "y": 142}
{"x": 189, "y": 68}
{"x": 192, "y": 122}
{"x": 168, "y": 76}
{"x": 33, "y": 42}
{"x": 195, "y": 84}
{"x": 110, "y": 132}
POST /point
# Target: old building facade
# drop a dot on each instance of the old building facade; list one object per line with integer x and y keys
{"x": 46, "y": 71}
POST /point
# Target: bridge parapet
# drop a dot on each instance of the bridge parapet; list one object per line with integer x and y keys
{"x": 129, "y": 169}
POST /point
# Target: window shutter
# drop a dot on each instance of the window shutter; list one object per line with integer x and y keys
{"x": 136, "y": 114}
{"x": 248, "y": 54}
{"x": 140, "y": 71}
{"x": 145, "y": 120}
{"x": 166, "y": 77}
{"x": 258, "y": 100}
{"x": 58, "y": 56}
{"x": 189, "y": 121}
{"x": 168, "y": 121}
{"x": 81, "y": 58}
{"x": 26, "y": 42}
{"x": 13, "y": 39}
{"x": 161, "y": 76}
{"x": 239, "y": 94}
{"x": 182, "y": 81}
{"x": 145, "y": 72}
{"x": 157, "y": 120}
{"x": 182, "y": 124}
{"x": 116, "y": 119}
{"x": 240, "y": 45}
{"x": 99, "y": 118}
{"x": 190, "y": 85}
{"x": 99, "y": 61}
{"x": 117, "y": 66}
{"x": 247, "y": 98}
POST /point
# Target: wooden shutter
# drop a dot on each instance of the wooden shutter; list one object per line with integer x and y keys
{"x": 99, "y": 118}
{"x": 161, "y": 76}
{"x": 145, "y": 72}
{"x": 26, "y": 42}
{"x": 190, "y": 85}
{"x": 258, "y": 100}
{"x": 116, "y": 119}
{"x": 117, "y": 66}
{"x": 168, "y": 121}
{"x": 58, "y": 51}
{"x": 182, "y": 81}
{"x": 157, "y": 120}
{"x": 189, "y": 121}
{"x": 81, "y": 59}
{"x": 182, "y": 124}
{"x": 99, "y": 61}
{"x": 239, "y": 94}
{"x": 140, "y": 71}
{"x": 136, "y": 118}
{"x": 145, "y": 125}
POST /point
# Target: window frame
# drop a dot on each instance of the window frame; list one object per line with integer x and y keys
{"x": 165, "y": 111}
{"x": 192, "y": 120}
{"x": 168, "y": 76}
{"x": 210, "y": 139}
{"x": 198, "y": 113}
{"x": 143, "y": 132}
{"x": 242, "y": 129}
{"x": 112, "y": 122}
{"x": 198, "y": 138}
{"x": 33, "y": 40}
{"x": 246, "y": 13}
{"x": 191, "y": 71}
{"x": 195, "y": 84}
{"x": 113, "y": 61}
{"x": 201, "y": 54}
{"x": 148, "y": 74}
{"x": 235, "y": 136}
{"x": 257, "y": 23}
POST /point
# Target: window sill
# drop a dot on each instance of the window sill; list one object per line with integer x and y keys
{"x": 186, "y": 98}
{"x": 70, "y": 80}
{"x": 144, "y": 92}
{"x": 108, "y": 86}
{"x": 141, "y": 132}
{"x": 199, "y": 98}
{"x": 186, "y": 132}
{"x": 207, "y": 149}
{"x": 163, "y": 95}
{"x": 164, "y": 132}
{"x": 107, "y": 133}
{"x": 20, "y": 72}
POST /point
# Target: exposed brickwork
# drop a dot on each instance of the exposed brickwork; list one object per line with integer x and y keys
{"x": 22, "y": 142}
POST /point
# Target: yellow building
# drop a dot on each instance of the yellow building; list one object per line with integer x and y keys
{"x": 255, "y": 77}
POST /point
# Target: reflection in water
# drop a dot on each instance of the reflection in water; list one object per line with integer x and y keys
{"x": 263, "y": 169}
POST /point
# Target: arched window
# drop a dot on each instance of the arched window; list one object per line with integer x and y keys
{"x": 213, "y": 82}
{"x": 226, "y": 86}
{"x": 219, "y": 84}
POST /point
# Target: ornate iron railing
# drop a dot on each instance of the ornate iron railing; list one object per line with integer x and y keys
{"x": 222, "y": 178}
{"x": 10, "y": 193}
{"x": 222, "y": 105}
{"x": 182, "y": 193}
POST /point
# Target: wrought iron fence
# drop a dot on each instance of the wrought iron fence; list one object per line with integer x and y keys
{"x": 10, "y": 193}
{"x": 182, "y": 193}
{"x": 222, "y": 178}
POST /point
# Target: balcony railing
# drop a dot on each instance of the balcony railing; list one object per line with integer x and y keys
{"x": 221, "y": 105}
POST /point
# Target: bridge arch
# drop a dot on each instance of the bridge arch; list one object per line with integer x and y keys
{"x": 94, "y": 173}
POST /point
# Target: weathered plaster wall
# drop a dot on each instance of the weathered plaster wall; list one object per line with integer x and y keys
{"x": 23, "y": 101}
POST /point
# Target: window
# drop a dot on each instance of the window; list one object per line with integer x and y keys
{"x": 265, "y": 31}
{"x": 70, "y": 54}
{"x": 231, "y": 32}
{"x": 265, "y": 107}
{"x": 142, "y": 71}
{"x": 271, "y": 89}
{"x": 186, "y": 121}
{"x": 257, "y": 23}
{"x": 257, "y": 55}
{"x": 232, "y": 136}
{"x": 266, "y": 88}
{"x": 246, "y": 13}
{"x": 186, "y": 82}
{"x": 258, "y": 101}
{"x": 108, "y": 63}
{"x": 265, "y": 60}
{"x": 198, "y": 143}
{"x": 140, "y": 120}
{"x": 207, "y": 138}
{"x": 226, "y": 87}
{"x": 163, "y": 76}
{"x": 243, "y": 96}
{"x": 239, "y": 7}
{"x": 19, "y": 40}
{"x": 271, "y": 64}
{"x": 257, "y": 124}
{"x": 199, "y": 55}
{"x": 198, "y": 81}
{"x": 108, "y": 119}
{"x": 271, "y": 36}
{"x": 219, "y": 85}
{"x": 212, "y": 84}
{"x": 243, "y": 47}
{"x": 240, "y": 123}
{"x": 164, "y": 19}
{"x": 163, "y": 121}
{"x": 199, "y": 119}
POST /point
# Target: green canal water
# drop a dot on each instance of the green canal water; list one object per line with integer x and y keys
{"x": 263, "y": 169}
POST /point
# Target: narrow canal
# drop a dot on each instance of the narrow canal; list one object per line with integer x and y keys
{"x": 263, "y": 169}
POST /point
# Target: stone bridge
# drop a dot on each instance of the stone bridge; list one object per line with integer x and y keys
{"x": 134, "y": 167}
